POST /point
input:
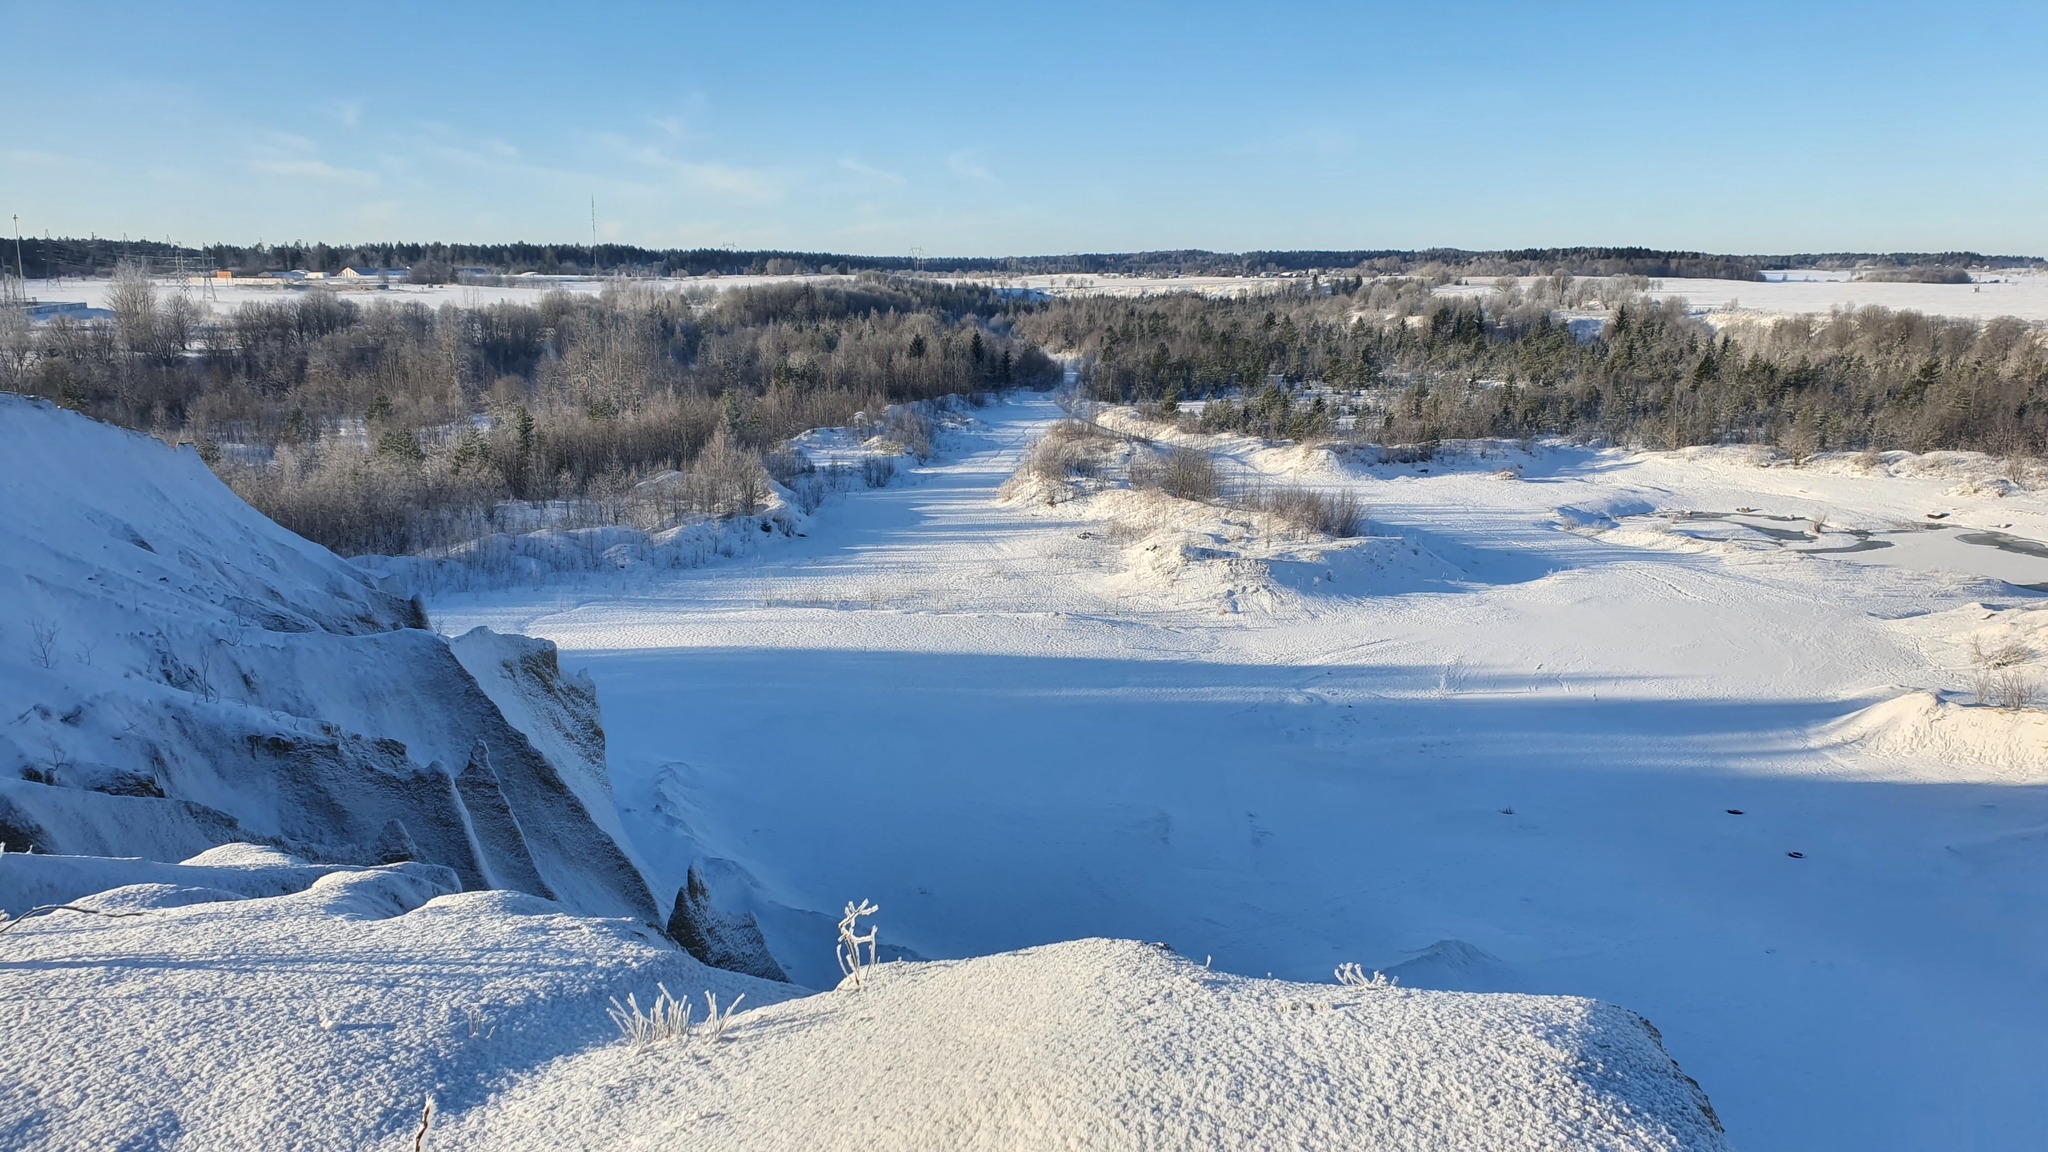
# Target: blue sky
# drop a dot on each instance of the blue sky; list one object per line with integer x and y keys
{"x": 1036, "y": 128}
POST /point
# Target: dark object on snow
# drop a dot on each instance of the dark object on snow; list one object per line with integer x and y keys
{"x": 1796, "y": 855}
{"x": 719, "y": 938}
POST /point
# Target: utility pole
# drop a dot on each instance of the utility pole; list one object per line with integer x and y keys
{"x": 593, "y": 232}
{"x": 18, "y": 275}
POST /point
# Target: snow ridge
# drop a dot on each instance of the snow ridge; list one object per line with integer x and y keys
{"x": 179, "y": 672}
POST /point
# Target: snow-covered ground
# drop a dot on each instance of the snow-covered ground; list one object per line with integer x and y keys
{"x": 94, "y": 292}
{"x": 1538, "y": 731}
{"x": 1999, "y": 293}
{"x": 445, "y": 907}
{"x": 244, "y": 1000}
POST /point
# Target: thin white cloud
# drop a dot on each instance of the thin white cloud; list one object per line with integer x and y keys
{"x": 871, "y": 173}
{"x": 289, "y": 141}
{"x": 968, "y": 166}
{"x": 715, "y": 177}
{"x": 312, "y": 169}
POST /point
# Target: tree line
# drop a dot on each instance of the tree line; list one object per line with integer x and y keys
{"x": 394, "y": 427}
{"x": 438, "y": 262}
{"x": 1423, "y": 366}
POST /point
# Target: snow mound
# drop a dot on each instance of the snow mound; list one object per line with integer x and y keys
{"x": 319, "y": 1017}
{"x": 177, "y": 672}
{"x": 1110, "y": 1044}
{"x": 236, "y": 870}
{"x": 2011, "y": 744}
{"x": 323, "y": 1016}
{"x": 1603, "y": 513}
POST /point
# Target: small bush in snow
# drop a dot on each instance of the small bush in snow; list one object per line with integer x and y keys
{"x": 716, "y": 1021}
{"x": 1307, "y": 510}
{"x": 1354, "y": 976}
{"x": 2002, "y": 678}
{"x": 851, "y": 965}
{"x": 667, "y": 1019}
{"x": 877, "y": 471}
{"x": 910, "y": 428}
{"x": 1181, "y": 472}
{"x": 42, "y": 643}
{"x": 1070, "y": 449}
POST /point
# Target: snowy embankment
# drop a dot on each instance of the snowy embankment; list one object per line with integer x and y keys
{"x": 243, "y": 998}
{"x": 180, "y": 674}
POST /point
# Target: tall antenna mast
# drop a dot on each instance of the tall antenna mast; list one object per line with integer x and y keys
{"x": 593, "y": 232}
{"x": 18, "y": 274}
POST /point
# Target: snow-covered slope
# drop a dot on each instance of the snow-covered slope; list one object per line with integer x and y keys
{"x": 246, "y": 1000}
{"x": 255, "y": 1002}
{"x": 178, "y": 672}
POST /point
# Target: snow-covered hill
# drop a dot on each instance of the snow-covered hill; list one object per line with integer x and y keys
{"x": 178, "y": 672}
{"x": 244, "y": 1000}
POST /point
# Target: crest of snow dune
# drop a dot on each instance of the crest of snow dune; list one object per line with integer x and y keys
{"x": 243, "y": 993}
{"x": 1970, "y": 739}
{"x": 329, "y": 1002}
{"x": 1113, "y": 1044}
{"x": 179, "y": 672}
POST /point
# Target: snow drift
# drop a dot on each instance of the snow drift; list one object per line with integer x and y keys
{"x": 319, "y": 1007}
{"x": 178, "y": 672}
{"x": 247, "y": 999}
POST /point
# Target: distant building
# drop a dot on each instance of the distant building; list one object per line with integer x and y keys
{"x": 43, "y": 311}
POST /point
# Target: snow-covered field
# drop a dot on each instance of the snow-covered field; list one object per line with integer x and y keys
{"x": 227, "y": 297}
{"x": 2001, "y": 293}
{"x": 281, "y": 868}
{"x": 1540, "y": 730}
{"x": 1781, "y": 293}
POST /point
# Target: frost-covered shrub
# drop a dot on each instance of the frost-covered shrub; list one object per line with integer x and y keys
{"x": 1352, "y": 975}
{"x": 1330, "y": 513}
{"x": 1181, "y": 472}
{"x": 1070, "y": 449}
{"x": 852, "y": 966}
{"x": 910, "y": 428}
{"x": 2002, "y": 676}
{"x": 667, "y": 1019}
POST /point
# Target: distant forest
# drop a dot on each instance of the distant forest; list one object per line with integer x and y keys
{"x": 1439, "y": 366}
{"x": 44, "y": 258}
{"x": 394, "y": 426}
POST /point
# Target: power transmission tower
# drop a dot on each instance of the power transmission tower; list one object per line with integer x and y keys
{"x": 14, "y": 290}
